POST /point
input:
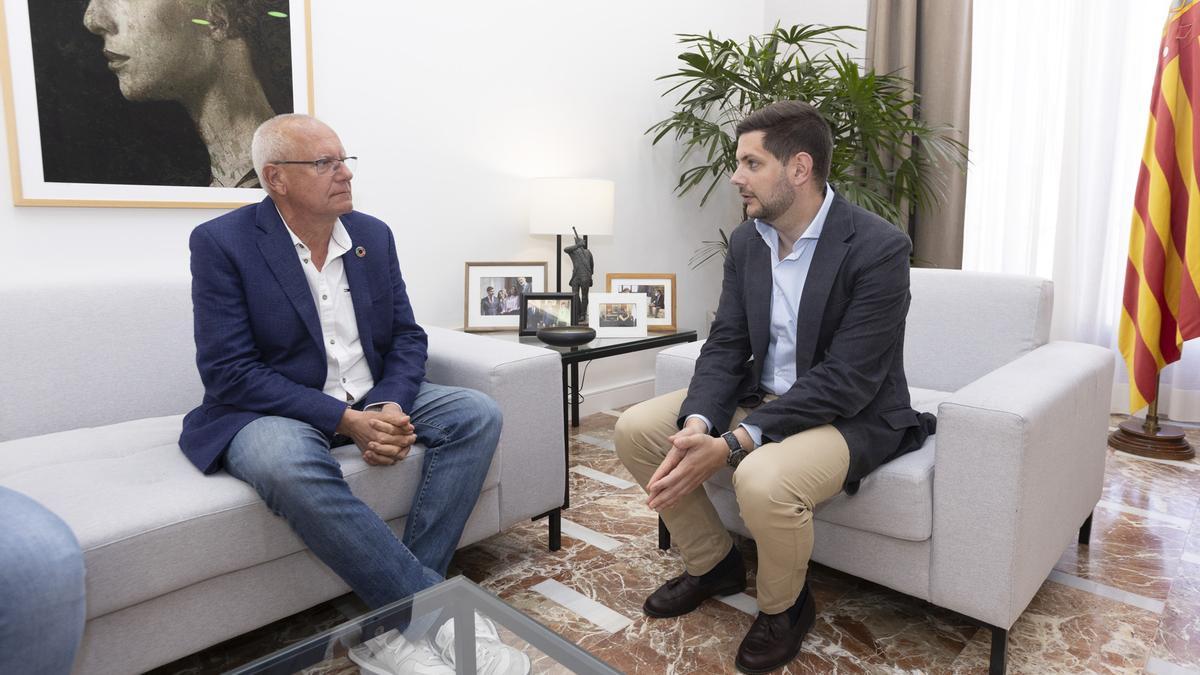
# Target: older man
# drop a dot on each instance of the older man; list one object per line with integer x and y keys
{"x": 305, "y": 339}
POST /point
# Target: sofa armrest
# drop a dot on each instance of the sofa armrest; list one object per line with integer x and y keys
{"x": 527, "y": 383}
{"x": 673, "y": 367}
{"x": 1020, "y": 466}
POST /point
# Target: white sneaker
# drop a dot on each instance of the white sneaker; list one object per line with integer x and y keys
{"x": 393, "y": 654}
{"x": 492, "y": 657}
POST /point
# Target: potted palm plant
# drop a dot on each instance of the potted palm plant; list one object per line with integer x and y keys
{"x": 885, "y": 158}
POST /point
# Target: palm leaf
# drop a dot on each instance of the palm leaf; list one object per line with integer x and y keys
{"x": 886, "y": 158}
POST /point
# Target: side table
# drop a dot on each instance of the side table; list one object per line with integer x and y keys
{"x": 596, "y": 349}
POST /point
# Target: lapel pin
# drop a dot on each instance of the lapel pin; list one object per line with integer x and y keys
{"x": 360, "y": 252}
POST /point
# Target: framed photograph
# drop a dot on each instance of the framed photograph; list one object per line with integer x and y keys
{"x": 659, "y": 290}
{"x": 110, "y": 103}
{"x": 543, "y": 310}
{"x": 617, "y": 314}
{"x": 494, "y": 291}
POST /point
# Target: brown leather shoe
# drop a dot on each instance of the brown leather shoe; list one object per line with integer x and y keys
{"x": 685, "y": 592}
{"x": 773, "y": 640}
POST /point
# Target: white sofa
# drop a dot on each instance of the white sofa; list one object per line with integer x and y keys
{"x": 975, "y": 520}
{"x": 94, "y": 382}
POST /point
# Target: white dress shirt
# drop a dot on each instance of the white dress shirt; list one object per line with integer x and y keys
{"x": 348, "y": 376}
{"x": 788, "y": 277}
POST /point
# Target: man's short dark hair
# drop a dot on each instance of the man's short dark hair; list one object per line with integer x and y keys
{"x": 792, "y": 127}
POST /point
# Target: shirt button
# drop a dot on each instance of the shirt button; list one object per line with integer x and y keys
{"x": 324, "y": 297}
{"x": 331, "y": 342}
{"x": 343, "y": 379}
{"x": 306, "y": 261}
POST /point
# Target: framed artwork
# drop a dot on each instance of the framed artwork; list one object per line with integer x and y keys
{"x": 543, "y": 310}
{"x": 617, "y": 314}
{"x": 109, "y": 103}
{"x": 494, "y": 290}
{"x": 659, "y": 290}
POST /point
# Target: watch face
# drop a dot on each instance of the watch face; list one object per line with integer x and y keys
{"x": 736, "y": 457}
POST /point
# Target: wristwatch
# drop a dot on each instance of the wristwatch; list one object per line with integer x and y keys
{"x": 736, "y": 452}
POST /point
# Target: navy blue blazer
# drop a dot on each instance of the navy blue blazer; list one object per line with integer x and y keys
{"x": 258, "y": 338}
{"x": 849, "y": 342}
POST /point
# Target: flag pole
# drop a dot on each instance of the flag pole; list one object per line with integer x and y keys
{"x": 1148, "y": 438}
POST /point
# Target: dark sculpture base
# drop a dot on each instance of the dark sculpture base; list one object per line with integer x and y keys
{"x": 1167, "y": 442}
{"x": 566, "y": 336}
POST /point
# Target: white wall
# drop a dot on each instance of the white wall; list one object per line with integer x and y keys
{"x": 827, "y": 12}
{"x": 452, "y": 106}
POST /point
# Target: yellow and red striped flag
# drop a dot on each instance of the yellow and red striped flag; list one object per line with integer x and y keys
{"x": 1162, "y": 306}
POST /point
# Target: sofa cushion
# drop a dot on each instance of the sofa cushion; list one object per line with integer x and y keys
{"x": 136, "y": 503}
{"x": 895, "y": 500}
{"x": 962, "y": 325}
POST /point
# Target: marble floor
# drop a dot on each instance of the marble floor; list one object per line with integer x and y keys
{"x": 1129, "y": 602}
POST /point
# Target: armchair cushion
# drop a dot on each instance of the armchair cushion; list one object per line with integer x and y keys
{"x": 135, "y": 502}
{"x": 895, "y": 500}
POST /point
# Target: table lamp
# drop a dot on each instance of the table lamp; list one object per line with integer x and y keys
{"x": 573, "y": 206}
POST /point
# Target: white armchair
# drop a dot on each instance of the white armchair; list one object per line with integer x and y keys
{"x": 975, "y": 520}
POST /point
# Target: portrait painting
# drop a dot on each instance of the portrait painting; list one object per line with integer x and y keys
{"x": 545, "y": 310}
{"x": 148, "y": 102}
{"x": 659, "y": 290}
{"x": 618, "y": 314}
{"x": 494, "y": 291}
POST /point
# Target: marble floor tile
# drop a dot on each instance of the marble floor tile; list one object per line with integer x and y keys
{"x": 1178, "y": 638}
{"x": 1067, "y": 630}
{"x": 1152, "y": 486}
{"x": 584, "y": 452}
{"x": 1130, "y": 552}
{"x": 885, "y": 629}
{"x": 603, "y": 432}
{"x": 598, "y": 422}
{"x": 622, "y": 515}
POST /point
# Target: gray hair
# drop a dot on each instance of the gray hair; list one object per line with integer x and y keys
{"x": 271, "y": 142}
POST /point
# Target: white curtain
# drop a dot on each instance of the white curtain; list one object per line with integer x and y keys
{"x": 1060, "y": 100}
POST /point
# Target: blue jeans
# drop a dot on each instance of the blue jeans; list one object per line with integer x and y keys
{"x": 288, "y": 462}
{"x": 41, "y": 589}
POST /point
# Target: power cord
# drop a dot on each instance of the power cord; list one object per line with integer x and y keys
{"x": 574, "y": 397}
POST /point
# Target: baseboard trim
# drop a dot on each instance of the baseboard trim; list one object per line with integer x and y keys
{"x": 616, "y": 396}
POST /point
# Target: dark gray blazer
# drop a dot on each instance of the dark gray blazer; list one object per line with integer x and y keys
{"x": 849, "y": 342}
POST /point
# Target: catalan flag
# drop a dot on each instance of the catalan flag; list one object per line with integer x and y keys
{"x": 1162, "y": 306}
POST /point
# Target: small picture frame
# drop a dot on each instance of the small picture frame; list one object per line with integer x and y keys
{"x": 617, "y": 314}
{"x": 659, "y": 290}
{"x": 543, "y": 310}
{"x": 493, "y": 292}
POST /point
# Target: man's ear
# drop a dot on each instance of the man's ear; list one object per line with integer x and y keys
{"x": 800, "y": 168}
{"x": 273, "y": 180}
{"x": 217, "y": 16}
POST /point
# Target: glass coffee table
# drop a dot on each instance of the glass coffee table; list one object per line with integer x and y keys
{"x": 457, "y": 599}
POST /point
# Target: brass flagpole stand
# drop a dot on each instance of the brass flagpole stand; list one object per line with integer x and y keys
{"x": 1150, "y": 439}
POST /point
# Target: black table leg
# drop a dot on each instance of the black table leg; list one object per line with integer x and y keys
{"x": 574, "y": 394}
{"x": 566, "y": 443}
{"x": 555, "y": 529}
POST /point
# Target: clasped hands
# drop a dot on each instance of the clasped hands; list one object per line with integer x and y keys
{"x": 694, "y": 457}
{"x": 383, "y": 436}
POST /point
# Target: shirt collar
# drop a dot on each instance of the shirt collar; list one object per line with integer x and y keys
{"x": 339, "y": 239}
{"x": 814, "y": 230}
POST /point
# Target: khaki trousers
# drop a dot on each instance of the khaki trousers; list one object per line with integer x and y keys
{"x": 777, "y": 485}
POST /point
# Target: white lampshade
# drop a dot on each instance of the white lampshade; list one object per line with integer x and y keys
{"x": 558, "y": 204}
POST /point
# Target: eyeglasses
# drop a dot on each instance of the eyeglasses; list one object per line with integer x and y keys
{"x": 325, "y": 164}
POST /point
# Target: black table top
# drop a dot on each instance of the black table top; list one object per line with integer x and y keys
{"x": 602, "y": 347}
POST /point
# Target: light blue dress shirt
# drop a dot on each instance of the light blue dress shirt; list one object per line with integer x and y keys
{"x": 788, "y": 277}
